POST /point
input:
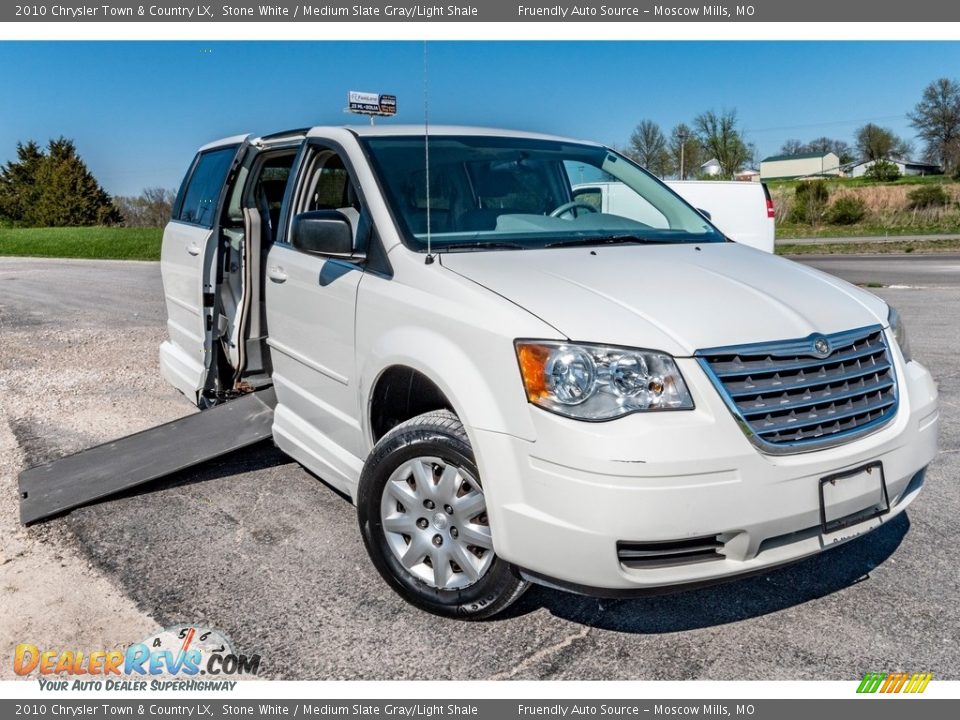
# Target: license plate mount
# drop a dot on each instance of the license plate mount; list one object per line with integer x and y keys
{"x": 853, "y": 496}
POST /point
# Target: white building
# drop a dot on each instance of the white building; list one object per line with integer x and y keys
{"x": 710, "y": 168}
{"x": 906, "y": 167}
{"x": 801, "y": 165}
{"x": 747, "y": 175}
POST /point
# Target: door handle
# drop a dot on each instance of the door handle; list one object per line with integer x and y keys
{"x": 276, "y": 273}
{"x": 193, "y": 249}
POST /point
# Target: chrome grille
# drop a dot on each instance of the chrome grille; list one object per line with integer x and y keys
{"x": 792, "y": 396}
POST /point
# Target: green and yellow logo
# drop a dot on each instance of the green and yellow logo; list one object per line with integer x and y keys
{"x": 894, "y": 682}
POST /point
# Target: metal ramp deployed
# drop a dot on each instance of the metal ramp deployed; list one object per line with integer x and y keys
{"x": 104, "y": 470}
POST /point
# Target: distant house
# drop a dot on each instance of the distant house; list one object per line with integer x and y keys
{"x": 747, "y": 175}
{"x": 906, "y": 167}
{"x": 710, "y": 168}
{"x": 801, "y": 165}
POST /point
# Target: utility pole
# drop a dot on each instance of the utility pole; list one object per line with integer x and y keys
{"x": 682, "y": 136}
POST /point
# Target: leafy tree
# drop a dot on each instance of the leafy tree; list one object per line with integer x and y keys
{"x": 792, "y": 147}
{"x": 823, "y": 145}
{"x": 18, "y": 181}
{"x": 878, "y": 143}
{"x": 847, "y": 210}
{"x": 648, "y": 147}
{"x": 840, "y": 148}
{"x": 927, "y": 196}
{"x": 810, "y": 202}
{"x": 882, "y": 170}
{"x": 53, "y": 188}
{"x": 937, "y": 121}
{"x": 150, "y": 209}
{"x": 722, "y": 139}
{"x": 685, "y": 151}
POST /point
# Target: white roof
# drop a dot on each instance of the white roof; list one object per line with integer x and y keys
{"x": 222, "y": 142}
{"x": 901, "y": 161}
{"x": 387, "y": 130}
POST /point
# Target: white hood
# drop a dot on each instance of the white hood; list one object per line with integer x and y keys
{"x": 674, "y": 298}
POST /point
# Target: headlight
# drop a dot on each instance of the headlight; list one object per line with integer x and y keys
{"x": 599, "y": 382}
{"x": 899, "y": 332}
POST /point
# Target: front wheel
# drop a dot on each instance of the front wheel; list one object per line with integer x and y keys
{"x": 423, "y": 517}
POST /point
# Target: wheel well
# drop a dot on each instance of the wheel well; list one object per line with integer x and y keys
{"x": 400, "y": 394}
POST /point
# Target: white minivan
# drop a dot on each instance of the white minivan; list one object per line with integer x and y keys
{"x": 515, "y": 386}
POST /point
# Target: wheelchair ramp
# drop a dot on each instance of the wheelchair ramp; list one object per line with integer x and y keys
{"x": 104, "y": 470}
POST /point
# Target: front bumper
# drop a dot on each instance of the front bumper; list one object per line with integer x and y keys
{"x": 560, "y": 505}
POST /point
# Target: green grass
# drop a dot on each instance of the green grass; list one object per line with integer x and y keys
{"x": 144, "y": 243}
{"x": 115, "y": 243}
{"x": 871, "y": 248}
{"x": 788, "y": 231}
{"x": 836, "y": 183}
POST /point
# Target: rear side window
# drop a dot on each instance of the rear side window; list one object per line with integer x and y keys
{"x": 198, "y": 204}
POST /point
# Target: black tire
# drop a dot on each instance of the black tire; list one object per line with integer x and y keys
{"x": 437, "y": 434}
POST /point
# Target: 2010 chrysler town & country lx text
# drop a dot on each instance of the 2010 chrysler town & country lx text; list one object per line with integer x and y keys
{"x": 514, "y": 386}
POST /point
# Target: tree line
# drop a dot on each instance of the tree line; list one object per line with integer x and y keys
{"x": 719, "y": 136}
{"x": 53, "y": 187}
{"x": 711, "y": 135}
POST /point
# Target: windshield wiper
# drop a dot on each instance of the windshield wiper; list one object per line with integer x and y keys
{"x": 479, "y": 244}
{"x": 610, "y": 240}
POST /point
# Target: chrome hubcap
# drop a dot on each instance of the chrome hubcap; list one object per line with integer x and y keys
{"x": 434, "y": 518}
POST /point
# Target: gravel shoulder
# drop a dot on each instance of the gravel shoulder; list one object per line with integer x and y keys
{"x": 78, "y": 366}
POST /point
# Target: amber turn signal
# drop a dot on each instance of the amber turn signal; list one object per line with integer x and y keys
{"x": 533, "y": 360}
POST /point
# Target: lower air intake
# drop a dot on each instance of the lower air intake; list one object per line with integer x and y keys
{"x": 669, "y": 552}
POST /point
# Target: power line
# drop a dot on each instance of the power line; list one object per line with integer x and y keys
{"x": 824, "y": 124}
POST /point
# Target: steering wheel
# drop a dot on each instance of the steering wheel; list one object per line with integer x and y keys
{"x": 572, "y": 206}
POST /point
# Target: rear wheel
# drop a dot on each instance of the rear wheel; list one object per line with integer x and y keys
{"x": 423, "y": 516}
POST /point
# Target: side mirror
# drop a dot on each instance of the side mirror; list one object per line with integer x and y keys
{"x": 323, "y": 232}
{"x": 705, "y": 213}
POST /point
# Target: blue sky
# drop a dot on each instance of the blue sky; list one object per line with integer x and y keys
{"x": 138, "y": 110}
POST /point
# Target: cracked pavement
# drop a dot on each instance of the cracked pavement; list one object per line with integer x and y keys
{"x": 258, "y": 547}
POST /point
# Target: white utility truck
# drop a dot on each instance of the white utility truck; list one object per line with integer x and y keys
{"x": 743, "y": 211}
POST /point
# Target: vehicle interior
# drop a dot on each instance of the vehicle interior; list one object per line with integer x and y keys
{"x": 248, "y": 228}
{"x": 470, "y": 197}
{"x": 484, "y": 186}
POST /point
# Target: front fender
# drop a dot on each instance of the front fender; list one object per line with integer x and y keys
{"x": 482, "y": 383}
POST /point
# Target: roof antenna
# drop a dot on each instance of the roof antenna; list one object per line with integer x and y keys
{"x": 426, "y": 150}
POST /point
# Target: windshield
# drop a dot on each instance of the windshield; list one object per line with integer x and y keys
{"x": 507, "y": 192}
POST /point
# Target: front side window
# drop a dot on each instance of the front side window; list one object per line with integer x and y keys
{"x": 328, "y": 185}
{"x": 202, "y": 193}
{"x": 488, "y": 191}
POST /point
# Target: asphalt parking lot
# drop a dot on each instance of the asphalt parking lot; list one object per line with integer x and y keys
{"x": 261, "y": 549}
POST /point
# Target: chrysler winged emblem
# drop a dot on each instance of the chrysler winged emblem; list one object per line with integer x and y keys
{"x": 821, "y": 346}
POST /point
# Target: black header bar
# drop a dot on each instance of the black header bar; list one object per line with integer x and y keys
{"x": 484, "y": 11}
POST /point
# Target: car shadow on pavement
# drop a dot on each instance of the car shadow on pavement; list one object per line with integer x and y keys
{"x": 759, "y": 595}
